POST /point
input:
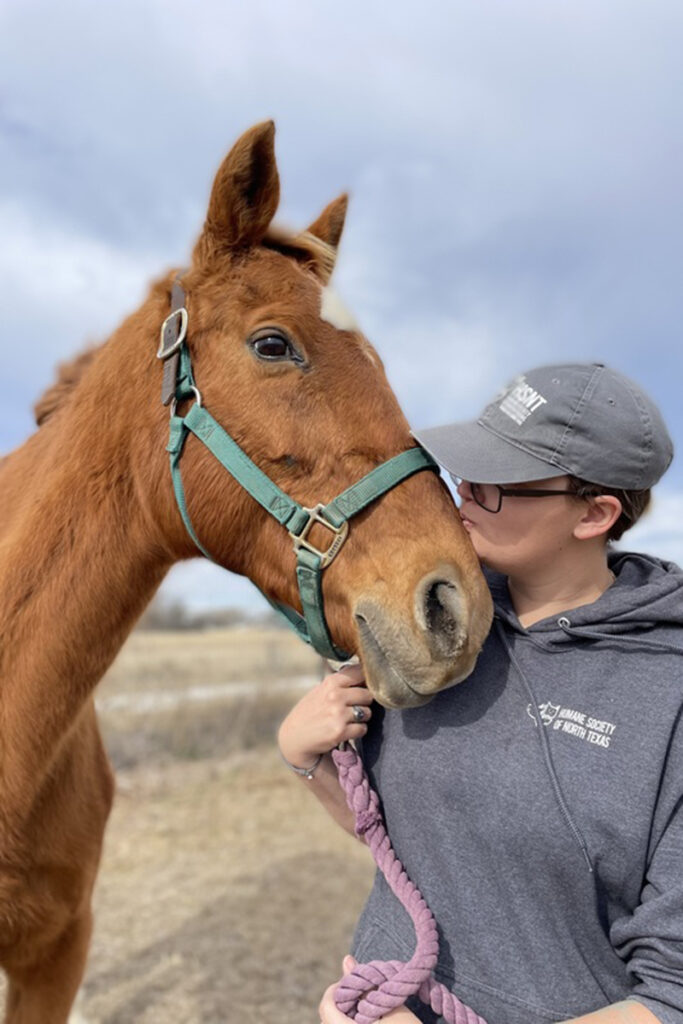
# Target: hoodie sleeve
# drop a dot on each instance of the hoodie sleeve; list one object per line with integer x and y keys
{"x": 650, "y": 940}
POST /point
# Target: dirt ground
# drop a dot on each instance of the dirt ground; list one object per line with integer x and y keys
{"x": 226, "y": 895}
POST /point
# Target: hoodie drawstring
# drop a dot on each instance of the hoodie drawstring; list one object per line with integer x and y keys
{"x": 579, "y": 633}
{"x": 545, "y": 746}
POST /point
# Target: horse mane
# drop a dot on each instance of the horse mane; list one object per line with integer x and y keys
{"x": 68, "y": 376}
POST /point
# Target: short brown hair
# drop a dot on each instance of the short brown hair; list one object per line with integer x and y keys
{"x": 633, "y": 503}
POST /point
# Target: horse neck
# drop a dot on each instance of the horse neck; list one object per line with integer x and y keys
{"x": 80, "y": 553}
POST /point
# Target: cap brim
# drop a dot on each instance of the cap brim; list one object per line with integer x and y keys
{"x": 472, "y": 452}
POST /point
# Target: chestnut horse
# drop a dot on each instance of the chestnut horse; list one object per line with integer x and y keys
{"x": 89, "y": 527}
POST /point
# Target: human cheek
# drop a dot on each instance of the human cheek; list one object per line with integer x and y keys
{"x": 499, "y": 533}
{"x": 485, "y": 535}
{"x": 491, "y": 527}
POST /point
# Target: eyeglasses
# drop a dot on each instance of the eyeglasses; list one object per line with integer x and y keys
{"x": 490, "y": 496}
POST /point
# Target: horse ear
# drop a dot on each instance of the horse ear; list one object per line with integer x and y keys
{"x": 330, "y": 224}
{"x": 245, "y": 192}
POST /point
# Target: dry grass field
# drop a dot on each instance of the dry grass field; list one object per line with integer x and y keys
{"x": 225, "y": 895}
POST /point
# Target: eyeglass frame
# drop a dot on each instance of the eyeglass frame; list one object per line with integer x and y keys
{"x": 514, "y": 492}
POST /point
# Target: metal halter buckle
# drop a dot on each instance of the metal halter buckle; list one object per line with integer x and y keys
{"x": 340, "y": 534}
{"x": 164, "y": 353}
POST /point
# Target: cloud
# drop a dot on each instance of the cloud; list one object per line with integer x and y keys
{"x": 76, "y": 277}
{"x": 61, "y": 290}
{"x": 515, "y": 172}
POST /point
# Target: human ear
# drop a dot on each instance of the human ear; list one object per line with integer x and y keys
{"x": 600, "y": 514}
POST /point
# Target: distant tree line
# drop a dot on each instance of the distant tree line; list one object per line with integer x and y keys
{"x": 164, "y": 614}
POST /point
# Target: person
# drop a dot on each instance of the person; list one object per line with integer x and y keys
{"x": 538, "y": 805}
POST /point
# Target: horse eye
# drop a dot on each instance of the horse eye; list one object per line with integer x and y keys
{"x": 271, "y": 346}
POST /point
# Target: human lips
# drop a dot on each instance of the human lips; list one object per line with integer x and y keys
{"x": 466, "y": 521}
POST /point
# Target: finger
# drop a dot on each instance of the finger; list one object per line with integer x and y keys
{"x": 355, "y": 731}
{"x": 348, "y": 964}
{"x": 350, "y": 675}
{"x": 329, "y": 1014}
{"x": 357, "y": 695}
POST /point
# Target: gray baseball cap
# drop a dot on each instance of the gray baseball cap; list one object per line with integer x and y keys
{"x": 580, "y": 419}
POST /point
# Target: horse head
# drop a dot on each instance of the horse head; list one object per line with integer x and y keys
{"x": 287, "y": 372}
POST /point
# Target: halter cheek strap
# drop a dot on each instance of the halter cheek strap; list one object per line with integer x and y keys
{"x": 178, "y": 386}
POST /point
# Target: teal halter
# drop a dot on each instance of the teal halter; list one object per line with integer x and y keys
{"x": 178, "y": 386}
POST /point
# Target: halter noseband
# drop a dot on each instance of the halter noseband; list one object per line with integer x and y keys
{"x": 179, "y": 385}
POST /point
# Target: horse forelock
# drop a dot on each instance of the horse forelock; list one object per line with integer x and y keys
{"x": 303, "y": 247}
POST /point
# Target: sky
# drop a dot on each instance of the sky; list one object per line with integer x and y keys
{"x": 515, "y": 171}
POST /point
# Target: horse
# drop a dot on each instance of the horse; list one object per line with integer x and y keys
{"x": 89, "y": 526}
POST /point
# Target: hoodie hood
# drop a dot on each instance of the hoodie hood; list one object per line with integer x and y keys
{"x": 659, "y": 602}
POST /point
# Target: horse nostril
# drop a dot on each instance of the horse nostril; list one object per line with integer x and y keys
{"x": 442, "y": 614}
{"x": 438, "y": 614}
{"x": 441, "y": 611}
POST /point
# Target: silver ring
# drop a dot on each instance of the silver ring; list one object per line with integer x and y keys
{"x": 358, "y": 712}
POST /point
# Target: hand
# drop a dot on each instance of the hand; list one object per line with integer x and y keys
{"x": 329, "y": 1014}
{"x": 324, "y": 717}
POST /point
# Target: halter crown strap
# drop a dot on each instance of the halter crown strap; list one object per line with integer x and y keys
{"x": 311, "y": 626}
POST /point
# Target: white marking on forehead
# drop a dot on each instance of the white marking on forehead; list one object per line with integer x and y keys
{"x": 334, "y": 312}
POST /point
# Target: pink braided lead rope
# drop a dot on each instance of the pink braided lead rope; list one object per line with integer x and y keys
{"x": 371, "y": 990}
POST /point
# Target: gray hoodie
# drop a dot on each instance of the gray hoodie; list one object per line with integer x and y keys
{"x": 539, "y": 807}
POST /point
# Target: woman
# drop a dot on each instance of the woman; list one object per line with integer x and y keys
{"x": 538, "y": 805}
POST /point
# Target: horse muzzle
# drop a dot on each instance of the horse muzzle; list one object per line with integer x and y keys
{"x": 407, "y": 662}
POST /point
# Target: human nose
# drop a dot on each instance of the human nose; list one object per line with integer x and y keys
{"x": 464, "y": 489}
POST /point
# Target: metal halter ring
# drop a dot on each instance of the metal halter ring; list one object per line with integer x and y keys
{"x": 197, "y": 395}
{"x": 358, "y": 712}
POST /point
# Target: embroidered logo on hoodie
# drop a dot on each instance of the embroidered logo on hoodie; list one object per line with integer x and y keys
{"x": 574, "y": 723}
